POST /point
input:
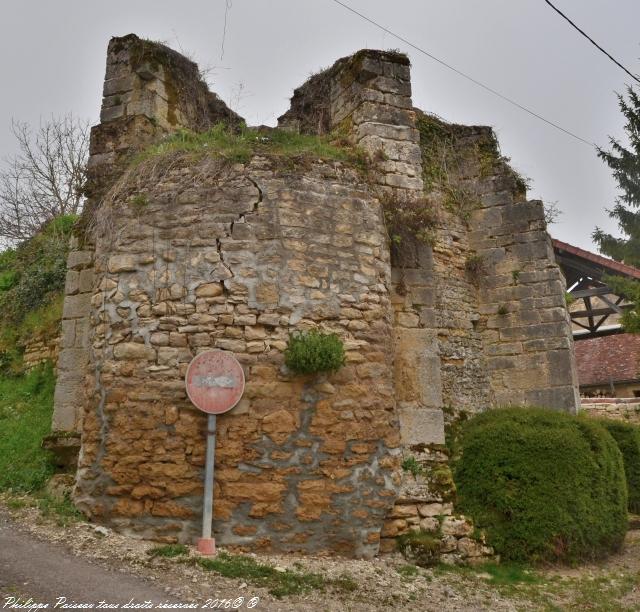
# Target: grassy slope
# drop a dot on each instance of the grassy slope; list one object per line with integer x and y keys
{"x": 26, "y": 404}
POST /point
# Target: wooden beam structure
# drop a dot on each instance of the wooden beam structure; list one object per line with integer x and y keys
{"x": 594, "y": 307}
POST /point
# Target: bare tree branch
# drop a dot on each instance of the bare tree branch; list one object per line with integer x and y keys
{"x": 552, "y": 212}
{"x": 45, "y": 178}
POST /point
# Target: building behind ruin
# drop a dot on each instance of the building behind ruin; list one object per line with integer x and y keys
{"x": 182, "y": 253}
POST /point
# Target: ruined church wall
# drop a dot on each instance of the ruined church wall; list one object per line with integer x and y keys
{"x": 503, "y": 329}
{"x": 525, "y": 324}
{"x": 449, "y": 348}
{"x": 367, "y": 98}
{"x": 235, "y": 258}
{"x": 149, "y": 91}
{"x": 191, "y": 255}
{"x": 487, "y": 252}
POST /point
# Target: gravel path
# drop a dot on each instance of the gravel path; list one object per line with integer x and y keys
{"x": 47, "y": 572}
{"x": 42, "y": 560}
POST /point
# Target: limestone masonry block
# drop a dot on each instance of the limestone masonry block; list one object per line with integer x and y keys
{"x": 76, "y": 306}
{"x": 421, "y": 425}
{"x": 122, "y": 263}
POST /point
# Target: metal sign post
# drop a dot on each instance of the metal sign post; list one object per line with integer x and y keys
{"x": 215, "y": 384}
{"x": 207, "y": 544}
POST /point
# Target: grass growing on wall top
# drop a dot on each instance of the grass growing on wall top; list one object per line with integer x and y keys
{"x": 26, "y": 405}
{"x": 240, "y": 145}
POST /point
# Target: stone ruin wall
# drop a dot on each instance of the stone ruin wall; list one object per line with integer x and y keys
{"x": 453, "y": 352}
{"x": 149, "y": 91}
{"x": 235, "y": 257}
{"x": 615, "y": 408}
{"x": 40, "y": 349}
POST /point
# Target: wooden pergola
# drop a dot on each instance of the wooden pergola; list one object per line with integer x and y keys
{"x": 597, "y": 308}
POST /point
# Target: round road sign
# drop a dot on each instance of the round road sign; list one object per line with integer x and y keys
{"x": 215, "y": 381}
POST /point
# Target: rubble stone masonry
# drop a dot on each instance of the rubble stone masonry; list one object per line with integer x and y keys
{"x": 625, "y": 409}
{"x": 185, "y": 254}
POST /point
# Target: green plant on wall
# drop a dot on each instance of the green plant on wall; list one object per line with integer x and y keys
{"x": 241, "y": 143}
{"x": 314, "y": 351}
{"x": 408, "y": 217}
{"x": 410, "y": 464}
{"x": 421, "y": 547}
{"x": 139, "y": 201}
{"x": 442, "y": 160}
{"x": 475, "y": 266}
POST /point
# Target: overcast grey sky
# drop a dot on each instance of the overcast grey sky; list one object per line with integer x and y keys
{"x": 52, "y": 56}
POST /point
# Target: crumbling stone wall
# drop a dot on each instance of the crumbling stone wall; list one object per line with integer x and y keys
{"x": 480, "y": 211}
{"x": 235, "y": 257}
{"x": 367, "y": 98}
{"x": 40, "y": 350}
{"x": 616, "y": 408}
{"x": 486, "y": 251}
{"x": 194, "y": 254}
{"x": 149, "y": 91}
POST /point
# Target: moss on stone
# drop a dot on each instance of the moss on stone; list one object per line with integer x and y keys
{"x": 452, "y": 155}
{"x": 350, "y": 68}
{"x": 420, "y": 547}
{"x": 443, "y": 161}
{"x": 441, "y": 481}
{"x": 181, "y": 76}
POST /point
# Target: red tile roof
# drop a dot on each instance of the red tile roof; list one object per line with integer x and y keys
{"x": 608, "y": 358}
{"x": 611, "y": 264}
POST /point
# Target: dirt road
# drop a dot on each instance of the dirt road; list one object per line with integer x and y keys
{"x": 45, "y": 572}
{"x": 43, "y": 560}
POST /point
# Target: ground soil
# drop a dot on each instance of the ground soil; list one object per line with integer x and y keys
{"x": 43, "y": 560}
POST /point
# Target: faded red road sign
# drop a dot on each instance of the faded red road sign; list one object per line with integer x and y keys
{"x": 215, "y": 381}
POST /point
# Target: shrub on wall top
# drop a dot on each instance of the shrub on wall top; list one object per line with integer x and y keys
{"x": 543, "y": 485}
{"x": 628, "y": 439}
{"x": 314, "y": 351}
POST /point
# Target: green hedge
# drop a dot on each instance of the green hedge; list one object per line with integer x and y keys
{"x": 543, "y": 485}
{"x": 628, "y": 439}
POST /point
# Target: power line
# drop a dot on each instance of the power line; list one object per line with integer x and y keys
{"x": 227, "y": 7}
{"x": 593, "y": 42}
{"x": 466, "y": 76}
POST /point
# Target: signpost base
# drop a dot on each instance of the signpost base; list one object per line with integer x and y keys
{"x": 207, "y": 546}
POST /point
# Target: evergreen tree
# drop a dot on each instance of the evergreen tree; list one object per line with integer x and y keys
{"x": 625, "y": 165}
